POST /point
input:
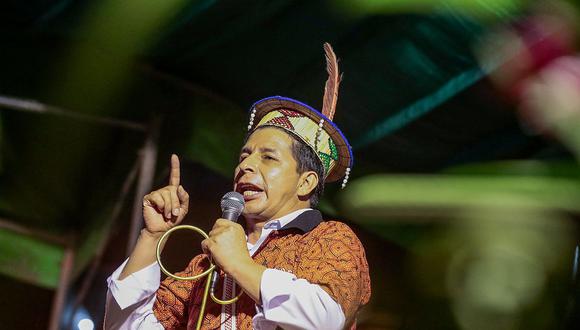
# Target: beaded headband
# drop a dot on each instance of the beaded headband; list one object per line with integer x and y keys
{"x": 315, "y": 128}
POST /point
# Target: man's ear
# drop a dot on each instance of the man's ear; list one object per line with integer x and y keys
{"x": 307, "y": 183}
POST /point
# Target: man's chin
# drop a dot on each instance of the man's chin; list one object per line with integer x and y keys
{"x": 250, "y": 211}
{"x": 253, "y": 210}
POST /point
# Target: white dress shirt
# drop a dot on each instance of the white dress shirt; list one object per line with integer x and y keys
{"x": 287, "y": 301}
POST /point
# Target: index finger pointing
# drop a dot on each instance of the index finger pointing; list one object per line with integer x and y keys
{"x": 174, "y": 174}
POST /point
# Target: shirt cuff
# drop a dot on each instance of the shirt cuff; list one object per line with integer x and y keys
{"x": 135, "y": 287}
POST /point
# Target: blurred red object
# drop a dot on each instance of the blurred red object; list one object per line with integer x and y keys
{"x": 527, "y": 47}
{"x": 551, "y": 97}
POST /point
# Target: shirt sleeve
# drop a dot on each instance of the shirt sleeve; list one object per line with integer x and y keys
{"x": 130, "y": 301}
{"x": 294, "y": 303}
{"x": 334, "y": 259}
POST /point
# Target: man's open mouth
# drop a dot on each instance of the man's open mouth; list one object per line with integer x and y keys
{"x": 248, "y": 190}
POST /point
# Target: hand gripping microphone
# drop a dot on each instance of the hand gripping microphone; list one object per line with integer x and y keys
{"x": 232, "y": 205}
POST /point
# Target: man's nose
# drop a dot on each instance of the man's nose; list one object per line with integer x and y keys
{"x": 248, "y": 164}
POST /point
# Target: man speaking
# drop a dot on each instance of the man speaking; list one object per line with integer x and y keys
{"x": 295, "y": 270}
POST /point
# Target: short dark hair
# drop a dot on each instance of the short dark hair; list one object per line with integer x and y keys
{"x": 306, "y": 160}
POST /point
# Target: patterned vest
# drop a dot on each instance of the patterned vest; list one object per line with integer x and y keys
{"x": 325, "y": 253}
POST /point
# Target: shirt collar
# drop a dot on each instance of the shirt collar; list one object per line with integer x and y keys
{"x": 306, "y": 220}
{"x": 303, "y": 219}
{"x": 284, "y": 220}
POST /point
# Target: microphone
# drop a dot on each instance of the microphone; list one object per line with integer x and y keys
{"x": 232, "y": 205}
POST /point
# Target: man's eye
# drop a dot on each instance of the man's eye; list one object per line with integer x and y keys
{"x": 242, "y": 157}
{"x": 268, "y": 157}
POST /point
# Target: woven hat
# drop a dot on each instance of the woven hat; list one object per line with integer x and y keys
{"x": 313, "y": 127}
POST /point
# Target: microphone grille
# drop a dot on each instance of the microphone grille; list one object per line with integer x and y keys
{"x": 232, "y": 201}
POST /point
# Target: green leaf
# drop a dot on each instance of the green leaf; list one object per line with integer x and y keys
{"x": 424, "y": 196}
{"x": 30, "y": 260}
{"x": 217, "y": 136}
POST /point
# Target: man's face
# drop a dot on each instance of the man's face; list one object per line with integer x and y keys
{"x": 266, "y": 174}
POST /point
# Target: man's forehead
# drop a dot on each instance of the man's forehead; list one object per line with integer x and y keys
{"x": 269, "y": 138}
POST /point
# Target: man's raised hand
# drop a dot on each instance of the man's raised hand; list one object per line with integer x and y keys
{"x": 166, "y": 207}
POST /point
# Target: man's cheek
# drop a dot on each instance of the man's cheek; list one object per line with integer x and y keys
{"x": 276, "y": 173}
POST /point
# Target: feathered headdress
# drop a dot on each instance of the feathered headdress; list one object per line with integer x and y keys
{"x": 315, "y": 128}
{"x": 332, "y": 83}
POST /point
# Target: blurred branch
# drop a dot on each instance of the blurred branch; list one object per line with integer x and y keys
{"x": 37, "y": 234}
{"x": 13, "y": 103}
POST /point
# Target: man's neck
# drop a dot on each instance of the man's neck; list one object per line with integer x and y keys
{"x": 254, "y": 229}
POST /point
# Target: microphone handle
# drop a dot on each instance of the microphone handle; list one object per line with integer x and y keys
{"x": 232, "y": 215}
{"x": 214, "y": 277}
